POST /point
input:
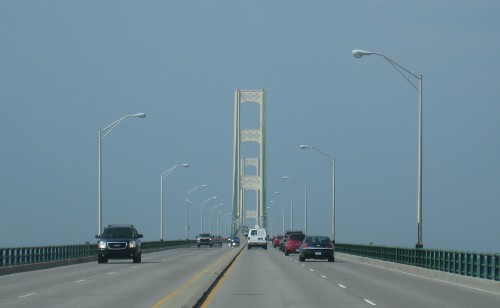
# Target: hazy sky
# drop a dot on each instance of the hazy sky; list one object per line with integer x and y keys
{"x": 70, "y": 68}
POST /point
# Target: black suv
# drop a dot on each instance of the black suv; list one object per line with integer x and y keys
{"x": 119, "y": 242}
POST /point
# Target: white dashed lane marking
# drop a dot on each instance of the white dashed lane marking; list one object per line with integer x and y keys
{"x": 369, "y": 302}
{"x": 26, "y": 295}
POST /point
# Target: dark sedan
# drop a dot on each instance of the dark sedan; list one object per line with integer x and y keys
{"x": 316, "y": 247}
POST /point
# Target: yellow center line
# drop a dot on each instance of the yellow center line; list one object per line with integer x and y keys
{"x": 188, "y": 283}
{"x": 220, "y": 282}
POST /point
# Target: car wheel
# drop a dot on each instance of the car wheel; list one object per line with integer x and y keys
{"x": 331, "y": 259}
{"x": 302, "y": 258}
{"x": 198, "y": 246}
{"x": 137, "y": 259}
{"x": 248, "y": 247}
{"x": 211, "y": 245}
{"x": 265, "y": 247}
{"x": 287, "y": 253}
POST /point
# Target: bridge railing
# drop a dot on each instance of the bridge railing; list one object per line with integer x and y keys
{"x": 473, "y": 264}
{"x": 31, "y": 255}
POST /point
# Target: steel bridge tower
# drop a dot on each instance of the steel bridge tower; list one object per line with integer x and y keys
{"x": 249, "y": 173}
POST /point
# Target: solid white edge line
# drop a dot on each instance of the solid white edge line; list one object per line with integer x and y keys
{"x": 26, "y": 295}
{"x": 369, "y": 302}
{"x": 78, "y": 281}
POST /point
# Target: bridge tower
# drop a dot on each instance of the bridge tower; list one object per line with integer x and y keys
{"x": 249, "y": 173}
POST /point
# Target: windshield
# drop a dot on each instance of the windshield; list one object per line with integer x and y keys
{"x": 318, "y": 240}
{"x": 204, "y": 235}
{"x": 297, "y": 237}
{"x": 118, "y": 233}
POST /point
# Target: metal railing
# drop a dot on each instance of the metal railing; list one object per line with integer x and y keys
{"x": 31, "y": 255}
{"x": 480, "y": 265}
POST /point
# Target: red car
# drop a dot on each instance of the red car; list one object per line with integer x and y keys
{"x": 293, "y": 242}
{"x": 276, "y": 240}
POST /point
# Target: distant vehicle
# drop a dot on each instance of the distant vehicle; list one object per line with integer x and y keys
{"x": 257, "y": 237}
{"x": 234, "y": 241}
{"x": 203, "y": 239}
{"x": 316, "y": 247}
{"x": 119, "y": 242}
{"x": 216, "y": 240}
{"x": 285, "y": 238}
{"x": 276, "y": 240}
{"x": 293, "y": 243}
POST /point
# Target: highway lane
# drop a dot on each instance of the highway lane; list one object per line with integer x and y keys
{"x": 262, "y": 278}
{"x": 120, "y": 283}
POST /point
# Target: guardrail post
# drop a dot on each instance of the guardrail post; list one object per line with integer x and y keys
{"x": 497, "y": 267}
{"x": 482, "y": 266}
{"x": 489, "y": 265}
{"x": 474, "y": 265}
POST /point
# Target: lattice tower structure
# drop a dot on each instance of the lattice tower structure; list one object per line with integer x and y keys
{"x": 249, "y": 173}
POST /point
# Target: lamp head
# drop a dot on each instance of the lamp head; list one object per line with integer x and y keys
{"x": 303, "y": 146}
{"x": 286, "y": 177}
{"x": 358, "y": 53}
{"x": 139, "y": 115}
{"x": 185, "y": 165}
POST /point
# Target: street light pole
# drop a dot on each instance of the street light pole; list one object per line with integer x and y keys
{"x": 187, "y": 206}
{"x": 106, "y": 132}
{"x": 211, "y": 209}
{"x": 223, "y": 212}
{"x": 357, "y": 53}
{"x": 331, "y": 160}
{"x": 165, "y": 174}
{"x": 305, "y": 200}
{"x": 282, "y": 216}
{"x": 203, "y": 203}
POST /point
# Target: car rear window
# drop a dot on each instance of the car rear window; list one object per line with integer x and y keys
{"x": 297, "y": 237}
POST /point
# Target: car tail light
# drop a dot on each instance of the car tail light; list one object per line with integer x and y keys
{"x": 305, "y": 245}
{"x": 330, "y": 246}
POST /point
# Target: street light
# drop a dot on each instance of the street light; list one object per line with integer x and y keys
{"x": 187, "y": 205}
{"x": 106, "y": 132}
{"x": 283, "y": 217}
{"x": 222, "y": 212}
{"x": 357, "y": 53}
{"x": 305, "y": 200}
{"x": 223, "y": 222}
{"x": 211, "y": 209}
{"x": 291, "y": 210}
{"x": 165, "y": 174}
{"x": 331, "y": 160}
{"x": 203, "y": 203}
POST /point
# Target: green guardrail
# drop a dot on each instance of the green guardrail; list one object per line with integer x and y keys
{"x": 31, "y": 255}
{"x": 480, "y": 265}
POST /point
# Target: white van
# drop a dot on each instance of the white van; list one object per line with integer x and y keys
{"x": 257, "y": 237}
